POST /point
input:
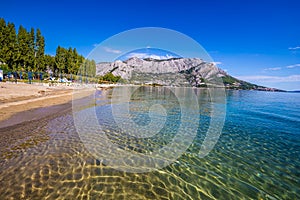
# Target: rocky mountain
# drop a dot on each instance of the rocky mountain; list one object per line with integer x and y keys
{"x": 173, "y": 72}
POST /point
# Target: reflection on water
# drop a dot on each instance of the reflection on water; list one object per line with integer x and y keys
{"x": 256, "y": 157}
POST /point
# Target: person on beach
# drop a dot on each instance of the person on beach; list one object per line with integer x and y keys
{"x": 29, "y": 77}
{"x": 41, "y": 76}
{"x": 15, "y": 77}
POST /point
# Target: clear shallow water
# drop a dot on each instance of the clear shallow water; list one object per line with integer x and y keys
{"x": 256, "y": 157}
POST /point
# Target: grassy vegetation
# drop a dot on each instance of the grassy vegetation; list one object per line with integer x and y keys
{"x": 233, "y": 83}
{"x": 109, "y": 78}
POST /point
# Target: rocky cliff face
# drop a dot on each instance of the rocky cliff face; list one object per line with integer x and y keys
{"x": 172, "y": 72}
{"x": 180, "y": 72}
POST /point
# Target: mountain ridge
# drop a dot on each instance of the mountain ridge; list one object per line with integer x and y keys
{"x": 176, "y": 72}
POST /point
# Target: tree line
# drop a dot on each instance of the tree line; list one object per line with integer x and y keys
{"x": 24, "y": 50}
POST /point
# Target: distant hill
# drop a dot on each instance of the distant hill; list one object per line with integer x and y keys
{"x": 174, "y": 72}
{"x": 295, "y": 91}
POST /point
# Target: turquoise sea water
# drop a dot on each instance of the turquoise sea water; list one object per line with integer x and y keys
{"x": 255, "y": 157}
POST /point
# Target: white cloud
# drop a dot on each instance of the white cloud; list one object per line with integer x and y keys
{"x": 280, "y": 68}
{"x": 294, "y": 48}
{"x": 273, "y": 69}
{"x": 271, "y": 79}
{"x": 146, "y": 55}
{"x": 293, "y": 66}
{"x": 110, "y": 50}
{"x": 95, "y": 45}
{"x": 217, "y": 63}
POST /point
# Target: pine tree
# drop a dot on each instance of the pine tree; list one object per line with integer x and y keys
{"x": 9, "y": 48}
{"x": 78, "y": 60}
{"x": 69, "y": 62}
{"x": 89, "y": 68}
{"x": 26, "y": 51}
{"x": 2, "y": 39}
{"x": 40, "y": 50}
{"x": 60, "y": 59}
{"x": 31, "y": 62}
{"x": 23, "y": 50}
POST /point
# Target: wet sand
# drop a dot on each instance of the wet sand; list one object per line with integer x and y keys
{"x": 23, "y": 102}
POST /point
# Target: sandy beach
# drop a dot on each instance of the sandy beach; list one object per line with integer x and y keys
{"x": 17, "y": 98}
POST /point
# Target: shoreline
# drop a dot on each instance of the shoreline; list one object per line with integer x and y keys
{"x": 24, "y": 102}
{"x": 34, "y": 114}
{"x": 21, "y": 103}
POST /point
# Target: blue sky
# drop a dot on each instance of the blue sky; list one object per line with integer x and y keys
{"x": 258, "y": 41}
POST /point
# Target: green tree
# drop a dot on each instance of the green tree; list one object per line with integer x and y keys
{"x": 110, "y": 78}
{"x": 92, "y": 68}
{"x": 79, "y": 63}
{"x": 31, "y": 62}
{"x": 76, "y": 62}
{"x": 40, "y": 51}
{"x": 69, "y": 61}
{"x": 23, "y": 50}
{"x": 2, "y": 39}
{"x": 26, "y": 51}
{"x": 9, "y": 47}
{"x": 60, "y": 59}
{"x": 89, "y": 68}
{"x": 50, "y": 63}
